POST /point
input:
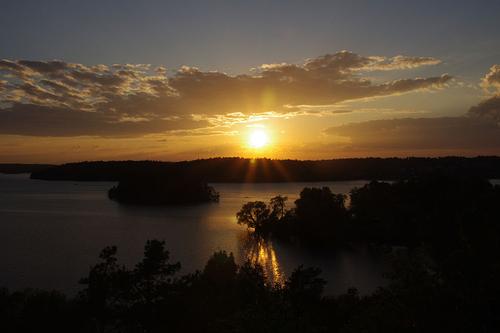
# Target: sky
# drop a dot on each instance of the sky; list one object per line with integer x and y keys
{"x": 177, "y": 80}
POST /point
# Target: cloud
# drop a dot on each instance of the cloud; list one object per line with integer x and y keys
{"x": 492, "y": 79}
{"x": 324, "y": 80}
{"x": 44, "y": 67}
{"x": 36, "y": 120}
{"x": 345, "y": 62}
{"x": 9, "y": 65}
{"x": 413, "y": 134}
{"x": 401, "y": 62}
{"x": 478, "y": 131}
{"x": 62, "y": 99}
{"x": 488, "y": 109}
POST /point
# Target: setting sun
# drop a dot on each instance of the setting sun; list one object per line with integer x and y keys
{"x": 258, "y": 139}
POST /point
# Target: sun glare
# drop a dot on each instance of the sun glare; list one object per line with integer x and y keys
{"x": 258, "y": 139}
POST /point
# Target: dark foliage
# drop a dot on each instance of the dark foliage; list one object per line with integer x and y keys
{"x": 151, "y": 297}
{"x": 226, "y": 297}
{"x": 258, "y": 216}
{"x": 436, "y": 209}
{"x": 162, "y": 190}
{"x": 267, "y": 170}
{"x": 320, "y": 215}
{"x": 444, "y": 278}
{"x": 318, "y": 218}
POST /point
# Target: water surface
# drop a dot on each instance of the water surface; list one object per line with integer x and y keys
{"x": 51, "y": 233}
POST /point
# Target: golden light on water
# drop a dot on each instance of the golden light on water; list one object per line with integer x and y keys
{"x": 262, "y": 252}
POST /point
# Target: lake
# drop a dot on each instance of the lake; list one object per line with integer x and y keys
{"x": 51, "y": 232}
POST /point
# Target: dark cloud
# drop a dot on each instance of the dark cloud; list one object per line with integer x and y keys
{"x": 8, "y": 65}
{"x": 420, "y": 134}
{"x": 345, "y": 62}
{"x": 132, "y": 99}
{"x": 488, "y": 109}
{"x": 400, "y": 86}
{"x": 51, "y": 121}
{"x": 43, "y": 67}
{"x": 478, "y": 131}
{"x": 55, "y": 85}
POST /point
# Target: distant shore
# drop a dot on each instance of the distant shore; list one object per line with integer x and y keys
{"x": 236, "y": 170}
{"x": 16, "y": 168}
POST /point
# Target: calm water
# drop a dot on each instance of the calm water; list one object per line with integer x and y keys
{"x": 51, "y": 232}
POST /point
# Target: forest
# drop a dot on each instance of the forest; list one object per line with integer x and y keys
{"x": 269, "y": 170}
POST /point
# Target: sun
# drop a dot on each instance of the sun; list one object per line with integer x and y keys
{"x": 258, "y": 139}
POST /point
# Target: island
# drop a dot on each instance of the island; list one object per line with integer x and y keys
{"x": 162, "y": 190}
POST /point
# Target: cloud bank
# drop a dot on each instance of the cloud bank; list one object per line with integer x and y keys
{"x": 56, "y": 98}
{"x": 477, "y": 131}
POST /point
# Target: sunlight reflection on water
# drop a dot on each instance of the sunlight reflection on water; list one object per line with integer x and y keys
{"x": 260, "y": 251}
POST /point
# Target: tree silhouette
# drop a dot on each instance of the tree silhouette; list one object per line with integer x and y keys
{"x": 220, "y": 269}
{"x": 321, "y": 215}
{"x": 117, "y": 297}
{"x": 254, "y": 215}
{"x": 278, "y": 207}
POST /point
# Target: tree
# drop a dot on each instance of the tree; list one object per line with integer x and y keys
{"x": 103, "y": 295}
{"x": 321, "y": 215}
{"x": 117, "y": 297}
{"x": 254, "y": 215}
{"x": 305, "y": 285}
{"x": 220, "y": 269}
{"x": 278, "y": 205}
{"x": 153, "y": 273}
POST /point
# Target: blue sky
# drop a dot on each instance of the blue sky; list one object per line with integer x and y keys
{"x": 236, "y": 35}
